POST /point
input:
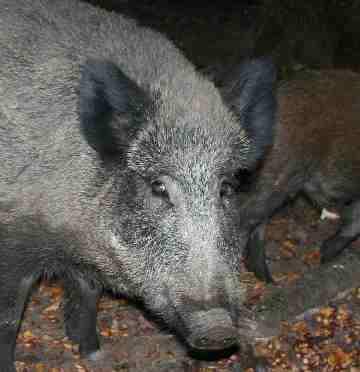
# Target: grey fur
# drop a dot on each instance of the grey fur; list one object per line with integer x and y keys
{"x": 76, "y": 201}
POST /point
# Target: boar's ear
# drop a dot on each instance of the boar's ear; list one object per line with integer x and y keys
{"x": 250, "y": 92}
{"x": 111, "y": 106}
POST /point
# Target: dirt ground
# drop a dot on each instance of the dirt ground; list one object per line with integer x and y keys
{"x": 328, "y": 339}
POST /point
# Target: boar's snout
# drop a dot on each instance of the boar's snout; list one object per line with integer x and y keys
{"x": 211, "y": 330}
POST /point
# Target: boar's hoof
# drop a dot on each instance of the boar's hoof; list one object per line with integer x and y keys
{"x": 332, "y": 247}
{"x": 96, "y": 356}
{"x": 212, "y": 330}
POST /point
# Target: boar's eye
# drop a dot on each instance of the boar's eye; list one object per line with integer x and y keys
{"x": 159, "y": 189}
{"x": 226, "y": 189}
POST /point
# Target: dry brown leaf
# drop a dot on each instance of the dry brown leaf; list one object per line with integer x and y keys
{"x": 39, "y": 367}
{"x": 52, "y": 308}
{"x": 288, "y": 249}
{"x": 56, "y": 292}
{"x": 279, "y": 277}
{"x": 339, "y": 358}
{"x": 312, "y": 258}
{"x": 300, "y": 328}
{"x": 292, "y": 277}
{"x": 327, "y": 312}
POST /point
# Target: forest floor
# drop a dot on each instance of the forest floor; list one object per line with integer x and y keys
{"x": 328, "y": 339}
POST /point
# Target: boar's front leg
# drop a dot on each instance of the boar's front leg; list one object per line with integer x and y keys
{"x": 80, "y": 312}
{"x": 348, "y": 232}
{"x": 14, "y": 290}
{"x": 255, "y": 257}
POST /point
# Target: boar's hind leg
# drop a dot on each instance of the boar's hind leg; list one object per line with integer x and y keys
{"x": 255, "y": 257}
{"x": 80, "y": 311}
{"x": 14, "y": 290}
{"x": 349, "y": 231}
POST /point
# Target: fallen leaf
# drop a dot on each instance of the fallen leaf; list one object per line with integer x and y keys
{"x": 312, "y": 258}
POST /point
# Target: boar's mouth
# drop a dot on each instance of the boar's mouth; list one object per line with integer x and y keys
{"x": 205, "y": 321}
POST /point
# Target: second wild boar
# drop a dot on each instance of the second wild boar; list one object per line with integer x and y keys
{"x": 316, "y": 152}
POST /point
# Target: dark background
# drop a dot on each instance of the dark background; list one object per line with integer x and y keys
{"x": 216, "y": 34}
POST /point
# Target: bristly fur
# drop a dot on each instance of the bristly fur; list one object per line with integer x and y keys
{"x": 119, "y": 167}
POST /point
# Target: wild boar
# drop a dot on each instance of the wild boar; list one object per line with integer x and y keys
{"x": 118, "y": 171}
{"x": 315, "y": 152}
